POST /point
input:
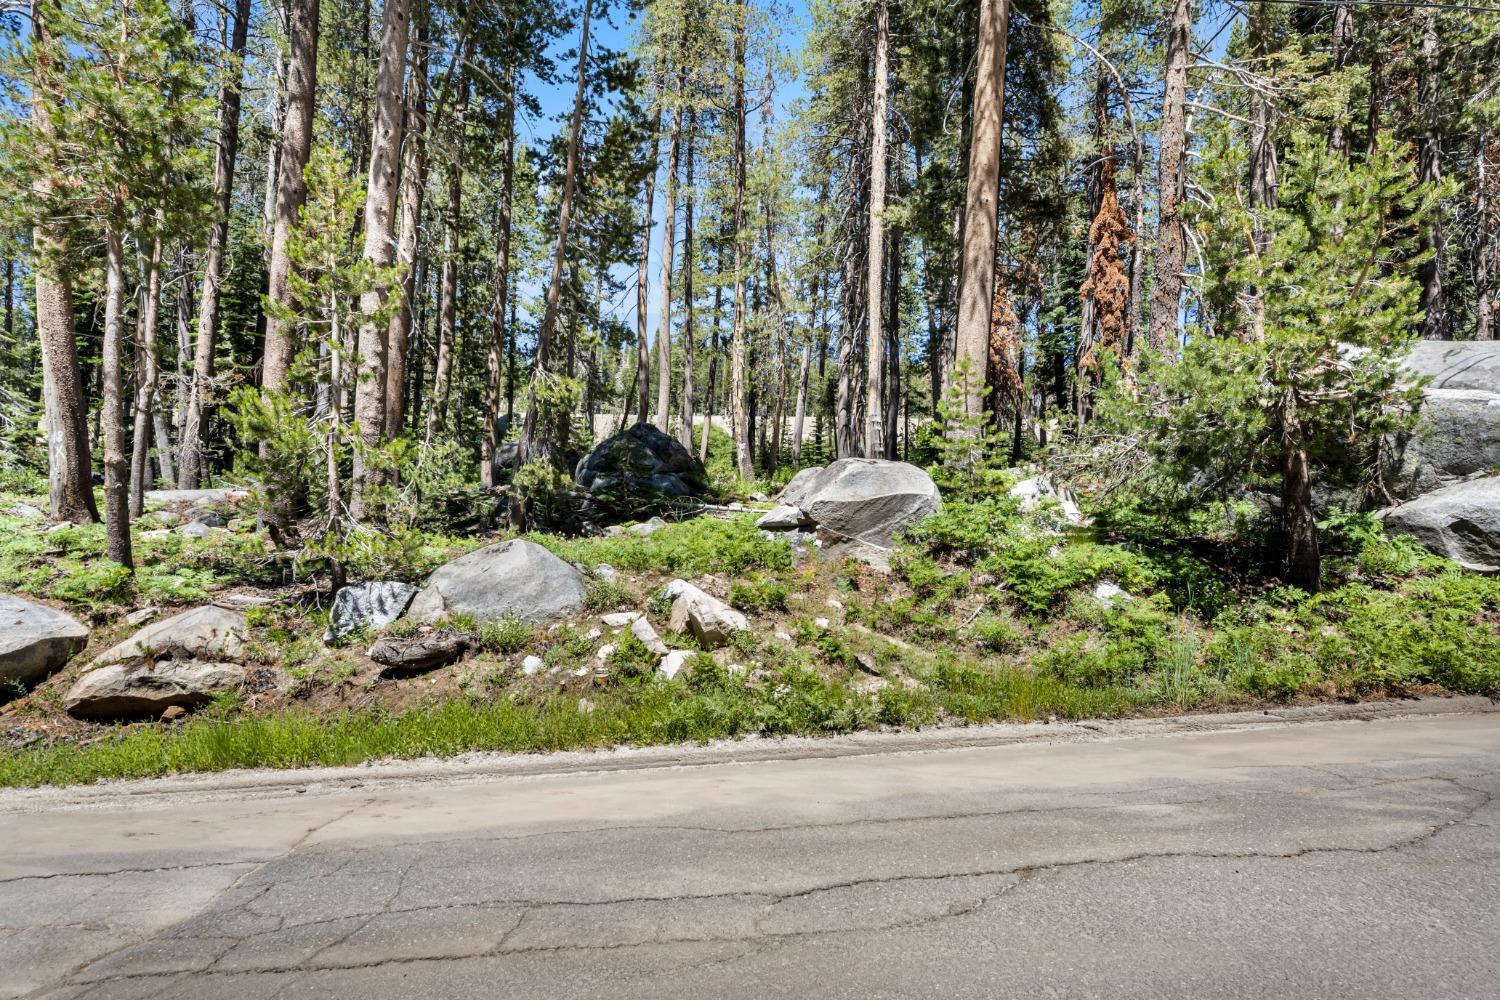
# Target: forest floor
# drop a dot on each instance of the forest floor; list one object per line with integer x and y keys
{"x": 987, "y": 614}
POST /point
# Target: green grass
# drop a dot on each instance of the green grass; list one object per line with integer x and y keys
{"x": 710, "y": 703}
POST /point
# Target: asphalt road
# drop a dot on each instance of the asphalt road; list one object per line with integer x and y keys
{"x": 1319, "y": 860}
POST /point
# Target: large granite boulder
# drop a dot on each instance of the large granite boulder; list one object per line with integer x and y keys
{"x": 864, "y": 500}
{"x": 35, "y": 640}
{"x": 1461, "y": 522}
{"x": 1458, "y": 435}
{"x": 185, "y": 661}
{"x": 640, "y": 466}
{"x": 518, "y": 579}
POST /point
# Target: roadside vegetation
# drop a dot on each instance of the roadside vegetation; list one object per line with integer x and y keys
{"x": 988, "y": 613}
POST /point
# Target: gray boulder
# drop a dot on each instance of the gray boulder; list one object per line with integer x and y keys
{"x": 783, "y": 517}
{"x": 640, "y": 465}
{"x": 25, "y": 511}
{"x": 1057, "y": 504}
{"x": 864, "y": 499}
{"x": 427, "y": 651}
{"x": 1458, "y": 435}
{"x": 35, "y": 639}
{"x": 374, "y": 604}
{"x": 517, "y": 579}
{"x": 1461, "y": 522}
{"x": 185, "y": 660}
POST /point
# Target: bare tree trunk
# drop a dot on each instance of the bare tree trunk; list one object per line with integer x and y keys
{"x": 498, "y": 327}
{"x": 1263, "y": 165}
{"x": 413, "y": 193}
{"x": 803, "y": 374}
{"x": 190, "y": 466}
{"x": 737, "y": 375}
{"x": 642, "y": 285}
{"x": 372, "y": 340}
{"x": 1484, "y": 253}
{"x": 1430, "y": 171}
{"x": 689, "y": 329}
{"x": 1171, "y": 247}
{"x": 668, "y": 251}
{"x": 437, "y": 412}
{"x": 65, "y": 408}
{"x": 148, "y": 377}
{"x": 875, "y": 259}
{"x": 1343, "y": 36}
{"x": 891, "y": 403}
{"x": 976, "y": 276}
{"x": 543, "y": 360}
{"x": 291, "y": 188}
{"x": 1303, "y": 563}
{"x": 112, "y": 417}
{"x": 713, "y": 363}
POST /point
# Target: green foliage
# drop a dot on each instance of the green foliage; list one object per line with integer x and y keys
{"x": 689, "y": 548}
{"x": 507, "y": 636}
{"x": 758, "y": 595}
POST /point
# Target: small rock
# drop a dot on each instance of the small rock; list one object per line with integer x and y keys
{"x": 785, "y": 637}
{"x": 647, "y": 527}
{"x": 821, "y": 623}
{"x": 195, "y": 529}
{"x": 172, "y": 713}
{"x": 784, "y": 517}
{"x": 605, "y": 652}
{"x": 138, "y": 618}
{"x": 212, "y": 518}
{"x": 26, "y": 511}
{"x": 1035, "y": 493}
{"x": 642, "y": 630}
{"x": 585, "y": 706}
{"x": 835, "y": 604}
{"x": 606, "y": 572}
{"x": 593, "y": 633}
{"x": 582, "y": 671}
{"x": 1107, "y": 592}
{"x": 620, "y": 619}
{"x": 760, "y": 497}
{"x": 532, "y": 665}
{"x": 671, "y": 665}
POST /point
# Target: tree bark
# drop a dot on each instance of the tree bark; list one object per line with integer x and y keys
{"x": 291, "y": 188}
{"x": 112, "y": 416}
{"x": 437, "y": 411}
{"x": 668, "y": 251}
{"x": 498, "y": 326}
{"x": 1299, "y": 523}
{"x": 875, "y": 258}
{"x": 1263, "y": 166}
{"x": 1430, "y": 171}
{"x": 689, "y": 329}
{"x": 1343, "y": 35}
{"x": 190, "y": 465}
{"x": 529, "y": 432}
{"x": 148, "y": 378}
{"x": 372, "y": 342}
{"x": 65, "y": 407}
{"x": 1484, "y": 254}
{"x": 737, "y": 374}
{"x": 803, "y": 374}
{"x": 1171, "y": 247}
{"x": 643, "y": 286}
{"x": 976, "y": 275}
{"x": 413, "y": 194}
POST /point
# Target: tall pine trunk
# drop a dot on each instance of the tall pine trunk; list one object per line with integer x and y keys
{"x": 190, "y": 463}
{"x": 291, "y": 187}
{"x": 1171, "y": 246}
{"x": 668, "y": 251}
{"x": 689, "y": 328}
{"x": 112, "y": 416}
{"x": 148, "y": 378}
{"x": 643, "y": 284}
{"x": 65, "y": 407}
{"x": 437, "y": 411}
{"x": 875, "y": 258}
{"x": 413, "y": 193}
{"x": 976, "y": 276}
{"x": 737, "y": 334}
{"x": 1429, "y": 171}
{"x": 382, "y": 186}
{"x": 498, "y": 327}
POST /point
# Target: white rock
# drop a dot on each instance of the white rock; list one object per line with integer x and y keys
{"x": 1107, "y": 592}
{"x": 1035, "y": 494}
{"x": 785, "y": 637}
{"x": 710, "y": 620}
{"x": 581, "y": 671}
{"x": 532, "y": 665}
{"x": 620, "y": 619}
{"x": 604, "y": 652}
{"x": 783, "y": 517}
{"x": 835, "y": 604}
{"x": 593, "y": 633}
{"x": 671, "y": 664}
{"x": 822, "y": 623}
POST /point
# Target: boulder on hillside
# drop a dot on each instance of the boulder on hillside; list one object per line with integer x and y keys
{"x": 709, "y": 619}
{"x": 425, "y": 651}
{"x": 35, "y": 639}
{"x": 864, "y": 500}
{"x": 1040, "y": 493}
{"x": 517, "y": 579}
{"x": 640, "y": 468}
{"x": 185, "y": 660}
{"x": 373, "y": 604}
{"x": 1458, "y": 435}
{"x": 1461, "y": 522}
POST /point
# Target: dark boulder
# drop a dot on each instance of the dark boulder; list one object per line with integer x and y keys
{"x": 640, "y": 469}
{"x": 422, "y": 652}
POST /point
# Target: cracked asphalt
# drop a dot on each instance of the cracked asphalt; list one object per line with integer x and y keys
{"x": 1326, "y": 859}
